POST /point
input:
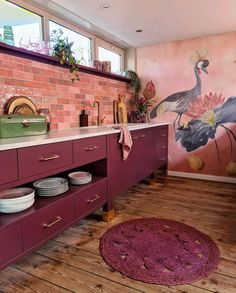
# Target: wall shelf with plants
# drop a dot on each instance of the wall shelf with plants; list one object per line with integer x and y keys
{"x": 43, "y": 58}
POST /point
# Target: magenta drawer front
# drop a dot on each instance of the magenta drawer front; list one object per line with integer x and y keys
{"x": 47, "y": 223}
{"x": 8, "y": 166}
{"x": 89, "y": 150}
{"x": 10, "y": 244}
{"x": 44, "y": 158}
{"x": 91, "y": 198}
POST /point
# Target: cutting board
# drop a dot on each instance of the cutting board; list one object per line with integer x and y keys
{"x": 122, "y": 110}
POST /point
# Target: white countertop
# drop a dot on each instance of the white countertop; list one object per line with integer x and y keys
{"x": 70, "y": 134}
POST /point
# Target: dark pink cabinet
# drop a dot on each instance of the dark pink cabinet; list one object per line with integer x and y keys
{"x": 44, "y": 160}
{"x": 161, "y": 147}
{"x": 47, "y": 222}
{"x": 91, "y": 198}
{"x": 10, "y": 244}
{"x": 8, "y": 167}
{"x": 89, "y": 150}
{"x": 140, "y": 162}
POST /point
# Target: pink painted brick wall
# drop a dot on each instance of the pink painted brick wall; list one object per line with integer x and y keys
{"x": 50, "y": 86}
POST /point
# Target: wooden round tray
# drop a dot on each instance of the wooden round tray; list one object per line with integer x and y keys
{"x": 21, "y": 105}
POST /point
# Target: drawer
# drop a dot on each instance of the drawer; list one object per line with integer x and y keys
{"x": 44, "y": 159}
{"x": 8, "y": 163}
{"x": 89, "y": 150}
{"x": 10, "y": 244}
{"x": 44, "y": 224}
{"x": 162, "y": 132}
{"x": 91, "y": 198}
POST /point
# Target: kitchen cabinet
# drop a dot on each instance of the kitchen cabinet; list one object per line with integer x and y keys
{"x": 161, "y": 147}
{"x": 139, "y": 164}
{"x": 101, "y": 155}
{"x": 8, "y": 167}
{"x": 41, "y": 161}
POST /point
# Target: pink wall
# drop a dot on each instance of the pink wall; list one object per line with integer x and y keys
{"x": 50, "y": 86}
{"x": 170, "y": 68}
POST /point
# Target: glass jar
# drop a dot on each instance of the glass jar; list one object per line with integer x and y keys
{"x": 45, "y": 112}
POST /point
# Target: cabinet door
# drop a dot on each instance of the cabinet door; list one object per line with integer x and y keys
{"x": 10, "y": 244}
{"x": 145, "y": 153}
{"x": 45, "y": 159}
{"x": 91, "y": 198}
{"x": 47, "y": 222}
{"x": 89, "y": 150}
{"x": 122, "y": 174}
{"x": 8, "y": 167}
{"x": 161, "y": 147}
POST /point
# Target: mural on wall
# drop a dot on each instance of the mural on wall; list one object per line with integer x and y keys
{"x": 207, "y": 113}
{"x": 179, "y": 102}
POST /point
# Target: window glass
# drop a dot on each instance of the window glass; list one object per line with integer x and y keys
{"x": 81, "y": 46}
{"x": 19, "y": 27}
{"x": 107, "y": 55}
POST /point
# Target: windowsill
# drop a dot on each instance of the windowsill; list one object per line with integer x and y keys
{"x": 20, "y": 52}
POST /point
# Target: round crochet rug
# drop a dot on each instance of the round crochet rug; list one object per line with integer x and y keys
{"x": 159, "y": 251}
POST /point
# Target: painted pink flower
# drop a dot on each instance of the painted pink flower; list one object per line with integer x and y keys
{"x": 203, "y": 104}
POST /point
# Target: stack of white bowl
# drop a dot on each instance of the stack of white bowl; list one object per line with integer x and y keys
{"x": 80, "y": 177}
{"x": 16, "y": 199}
{"x": 50, "y": 186}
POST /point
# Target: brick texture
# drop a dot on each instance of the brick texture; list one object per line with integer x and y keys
{"x": 50, "y": 86}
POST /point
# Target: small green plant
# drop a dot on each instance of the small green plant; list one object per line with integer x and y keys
{"x": 135, "y": 83}
{"x": 62, "y": 49}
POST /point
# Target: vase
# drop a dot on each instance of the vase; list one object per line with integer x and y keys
{"x": 138, "y": 117}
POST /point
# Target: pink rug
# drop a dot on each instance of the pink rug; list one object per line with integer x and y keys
{"x": 159, "y": 251}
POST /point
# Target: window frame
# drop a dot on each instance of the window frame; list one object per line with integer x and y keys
{"x": 110, "y": 47}
{"x": 95, "y": 41}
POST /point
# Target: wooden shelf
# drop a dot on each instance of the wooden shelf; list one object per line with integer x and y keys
{"x": 20, "y": 52}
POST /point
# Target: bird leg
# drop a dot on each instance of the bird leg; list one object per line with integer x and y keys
{"x": 180, "y": 115}
{"x": 175, "y": 121}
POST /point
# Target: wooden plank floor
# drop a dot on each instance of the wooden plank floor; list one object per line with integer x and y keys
{"x": 72, "y": 263}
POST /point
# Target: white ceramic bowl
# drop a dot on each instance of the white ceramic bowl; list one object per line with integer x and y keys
{"x": 16, "y": 208}
{"x": 50, "y": 183}
{"x": 18, "y": 195}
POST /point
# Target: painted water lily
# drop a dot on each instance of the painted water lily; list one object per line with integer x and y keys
{"x": 204, "y": 104}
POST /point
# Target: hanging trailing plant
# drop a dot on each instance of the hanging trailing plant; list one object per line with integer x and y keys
{"x": 62, "y": 49}
{"x": 135, "y": 83}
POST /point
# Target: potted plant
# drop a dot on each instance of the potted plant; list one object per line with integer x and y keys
{"x": 62, "y": 49}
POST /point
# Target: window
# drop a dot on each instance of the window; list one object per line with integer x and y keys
{"x": 19, "y": 27}
{"x": 109, "y": 52}
{"x": 106, "y": 55}
{"x": 82, "y": 44}
{"x": 24, "y": 25}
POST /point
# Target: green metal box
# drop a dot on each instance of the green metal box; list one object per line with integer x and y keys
{"x": 22, "y": 125}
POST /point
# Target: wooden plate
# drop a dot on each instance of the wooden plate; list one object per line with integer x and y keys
{"x": 23, "y": 109}
{"x": 17, "y": 101}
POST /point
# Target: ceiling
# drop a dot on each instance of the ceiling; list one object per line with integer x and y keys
{"x": 161, "y": 20}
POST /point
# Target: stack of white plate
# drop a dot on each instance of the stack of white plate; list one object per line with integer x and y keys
{"x": 50, "y": 186}
{"x": 16, "y": 199}
{"x": 80, "y": 177}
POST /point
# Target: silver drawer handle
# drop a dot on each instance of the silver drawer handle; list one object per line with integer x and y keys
{"x": 54, "y": 157}
{"x": 92, "y": 148}
{"x": 163, "y": 147}
{"x": 94, "y": 199}
{"x": 58, "y": 219}
{"x": 163, "y": 135}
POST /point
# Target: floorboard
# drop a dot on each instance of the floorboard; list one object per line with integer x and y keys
{"x": 71, "y": 262}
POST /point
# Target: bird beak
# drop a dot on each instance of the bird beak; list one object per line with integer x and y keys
{"x": 204, "y": 69}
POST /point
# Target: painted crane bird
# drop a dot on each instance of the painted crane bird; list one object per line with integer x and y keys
{"x": 179, "y": 102}
{"x": 198, "y": 131}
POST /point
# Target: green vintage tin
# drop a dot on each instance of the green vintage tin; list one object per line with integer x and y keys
{"x": 22, "y": 125}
